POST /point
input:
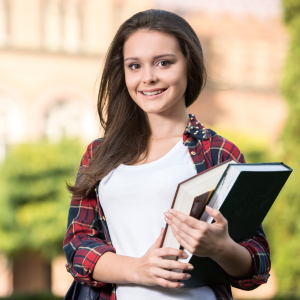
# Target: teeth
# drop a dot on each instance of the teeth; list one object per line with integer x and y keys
{"x": 152, "y": 93}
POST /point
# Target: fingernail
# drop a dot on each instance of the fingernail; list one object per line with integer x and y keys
{"x": 184, "y": 255}
{"x": 191, "y": 267}
{"x": 187, "y": 275}
{"x": 181, "y": 284}
{"x": 208, "y": 208}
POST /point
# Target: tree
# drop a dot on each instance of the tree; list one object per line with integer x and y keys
{"x": 285, "y": 221}
{"x": 33, "y": 198}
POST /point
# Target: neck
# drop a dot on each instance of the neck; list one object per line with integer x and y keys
{"x": 168, "y": 125}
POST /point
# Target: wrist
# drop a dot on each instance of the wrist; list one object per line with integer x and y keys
{"x": 133, "y": 276}
{"x": 235, "y": 260}
{"x": 224, "y": 251}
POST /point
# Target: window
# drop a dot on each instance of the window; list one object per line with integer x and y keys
{"x": 3, "y": 22}
{"x": 52, "y": 25}
{"x": 63, "y": 25}
{"x": 11, "y": 125}
{"x": 72, "y": 24}
{"x": 246, "y": 63}
{"x": 70, "y": 118}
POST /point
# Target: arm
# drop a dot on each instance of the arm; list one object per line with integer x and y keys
{"x": 234, "y": 259}
{"x": 246, "y": 264}
{"x": 84, "y": 242}
{"x": 150, "y": 269}
{"x": 114, "y": 268}
{"x": 241, "y": 261}
{"x": 259, "y": 249}
{"x": 211, "y": 240}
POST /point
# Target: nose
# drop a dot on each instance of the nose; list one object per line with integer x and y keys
{"x": 149, "y": 75}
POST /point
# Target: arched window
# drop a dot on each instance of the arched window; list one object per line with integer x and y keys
{"x": 11, "y": 125}
{"x": 70, "y": 118}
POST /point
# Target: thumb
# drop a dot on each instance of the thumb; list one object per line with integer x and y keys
{"x": 159, "y": 240}
{"x": 215, "y": 213}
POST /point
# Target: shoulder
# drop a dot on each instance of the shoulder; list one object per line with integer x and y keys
{"x": 223, "y": 149}
{"x": 93, "y": 146}
{"x": 91, "y": 149}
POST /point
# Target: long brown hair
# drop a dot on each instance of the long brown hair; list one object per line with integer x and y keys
{"x": 126, "y": 126}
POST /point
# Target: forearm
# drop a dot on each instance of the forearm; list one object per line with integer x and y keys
{"x": 114, "y": 268}
{"x": 235, "y": 260}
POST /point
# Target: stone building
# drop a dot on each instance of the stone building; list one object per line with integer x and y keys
{"x": 51, "y": 54}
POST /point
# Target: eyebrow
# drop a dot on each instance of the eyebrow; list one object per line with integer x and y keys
{"x": 155, "y": 57}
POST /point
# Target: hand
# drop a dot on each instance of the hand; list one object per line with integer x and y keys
{"x": 199, "y": 237}
{"x": 150, "y": 269}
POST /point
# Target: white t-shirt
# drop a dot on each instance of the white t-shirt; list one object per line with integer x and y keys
{"x": 134, "y": 199}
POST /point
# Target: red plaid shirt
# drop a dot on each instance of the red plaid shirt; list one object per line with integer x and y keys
{"x": 87, "y": 236}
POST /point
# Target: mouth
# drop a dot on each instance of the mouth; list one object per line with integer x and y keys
{"x": 153, "y": 93}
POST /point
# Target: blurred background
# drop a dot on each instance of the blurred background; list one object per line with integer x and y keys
{"x": 51, "y": 55}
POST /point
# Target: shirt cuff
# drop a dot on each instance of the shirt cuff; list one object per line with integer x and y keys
{"x": 260, "y": 264}
{"x": 84, "y": 262}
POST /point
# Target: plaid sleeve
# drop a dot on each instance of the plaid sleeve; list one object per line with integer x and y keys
{"x": 85, "y": 242}
{"x": 222, "y": 150}
{"x": 261, "y": 262}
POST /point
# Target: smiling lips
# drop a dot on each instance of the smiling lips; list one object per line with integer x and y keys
{"x": 153, "y": 92}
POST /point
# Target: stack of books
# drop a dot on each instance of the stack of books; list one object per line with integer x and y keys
{"x": 244, "y": 193}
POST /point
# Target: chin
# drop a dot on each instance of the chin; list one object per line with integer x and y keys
{"x": 154, "y": 110}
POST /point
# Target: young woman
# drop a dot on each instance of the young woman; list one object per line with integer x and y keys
{"x": 154, "y": 70}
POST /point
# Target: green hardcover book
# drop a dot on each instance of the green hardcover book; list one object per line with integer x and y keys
{"x": 244, "y": 195}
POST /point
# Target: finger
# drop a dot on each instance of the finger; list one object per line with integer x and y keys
{"x": 159, "y": 240}
{"x": 170, "y": 275}
{"x": 168, "y": 284}
{"x": 190, "y": 221}
{"x": 169, "y": 264}
{"x": 181, "y": 230}
{"x": 168, "y": 251}
{"x": 186, "y": 242}
{"x": 182, "y": 226}
{"x": 216, "y": 214}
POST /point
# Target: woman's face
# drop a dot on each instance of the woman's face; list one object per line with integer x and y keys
{"x": 155, "y": 71}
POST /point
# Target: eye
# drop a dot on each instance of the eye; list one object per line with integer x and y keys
{"x": 165, "y": 63}
{"x": 134, "y": 66}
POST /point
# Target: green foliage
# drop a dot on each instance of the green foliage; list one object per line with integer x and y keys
{"x": 285, "y": 218}
{"x": 255, "y": 149}
{"x": 33, "y": 198}
{"x": 291, "y": 11}
{"x": 282, "y": 224}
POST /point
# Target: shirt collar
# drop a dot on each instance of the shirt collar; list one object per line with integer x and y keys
{"x": 195, "y": 131}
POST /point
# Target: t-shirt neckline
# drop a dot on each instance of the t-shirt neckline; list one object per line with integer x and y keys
{"x": 155, "y": 162}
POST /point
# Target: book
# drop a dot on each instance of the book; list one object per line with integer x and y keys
{"x": 191, "y": 197}
{"x": 244, "y": 194}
